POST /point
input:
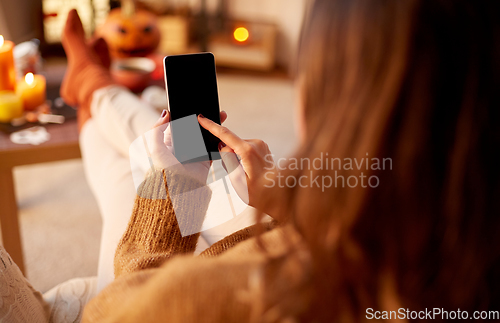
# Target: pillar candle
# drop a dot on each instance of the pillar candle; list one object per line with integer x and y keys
{"x": 7, "y": 71}
{"x": 32, "y": 91}
{"x": 11, "y": 106}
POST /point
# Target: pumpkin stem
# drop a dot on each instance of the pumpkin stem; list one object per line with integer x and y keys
{"x": 128, "y": 8}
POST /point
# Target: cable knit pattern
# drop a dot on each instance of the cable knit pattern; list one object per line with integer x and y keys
{"x": 19, "y": 302}
{"x": 67, "y": 300}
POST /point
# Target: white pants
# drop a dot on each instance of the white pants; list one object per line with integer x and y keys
{"x": 118, "y": 118}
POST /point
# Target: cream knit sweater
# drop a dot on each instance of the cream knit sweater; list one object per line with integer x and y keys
{"x": 19, "y": 301}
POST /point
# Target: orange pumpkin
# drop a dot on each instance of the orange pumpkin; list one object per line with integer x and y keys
{"x": 130, "y": 36}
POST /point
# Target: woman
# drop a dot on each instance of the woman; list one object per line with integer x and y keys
{"x": 414, "y": 82}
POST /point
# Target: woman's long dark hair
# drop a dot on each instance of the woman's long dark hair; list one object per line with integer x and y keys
{"x": 416, "y": 82}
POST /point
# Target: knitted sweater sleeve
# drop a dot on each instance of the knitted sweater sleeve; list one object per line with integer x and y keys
{"x": 160, "y": 212}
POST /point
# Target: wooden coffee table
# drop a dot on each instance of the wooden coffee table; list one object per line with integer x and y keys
{"x": 63, "y": 144}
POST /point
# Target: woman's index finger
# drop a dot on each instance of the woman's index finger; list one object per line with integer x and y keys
{"x": 221, "y": 132}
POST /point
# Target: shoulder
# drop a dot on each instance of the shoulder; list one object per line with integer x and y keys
{"x": 239, "y": 236}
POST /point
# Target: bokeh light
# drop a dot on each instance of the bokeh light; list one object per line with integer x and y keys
{"x": 241, "y": 34}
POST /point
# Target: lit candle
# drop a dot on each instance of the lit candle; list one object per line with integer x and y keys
{"x": 32, "y": 91}
{"x": 7, "y": 71}
{"x": 11, "y": 106}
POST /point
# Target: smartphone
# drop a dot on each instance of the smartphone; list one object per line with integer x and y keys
{"x": 191, "y": 84}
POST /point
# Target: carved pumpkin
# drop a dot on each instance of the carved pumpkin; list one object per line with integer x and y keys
{"x": 132, "y": 35}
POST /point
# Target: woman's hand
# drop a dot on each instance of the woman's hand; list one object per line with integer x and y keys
{"x": 247, "y": 174}
{"x": 162, "y": 153}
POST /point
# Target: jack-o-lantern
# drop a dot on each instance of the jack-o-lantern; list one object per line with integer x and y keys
{"x": 130, "y": 34}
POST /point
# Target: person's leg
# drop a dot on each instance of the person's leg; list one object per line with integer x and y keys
{"x": 110, "y": 179}
{"x": 121, "y": 116}
{"x": 88, "y": 67}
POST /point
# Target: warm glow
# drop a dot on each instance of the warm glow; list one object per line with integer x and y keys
{"x": 241, "y": 34}
{"x": 1, "y": 40}
{"x": 29, "y": 78}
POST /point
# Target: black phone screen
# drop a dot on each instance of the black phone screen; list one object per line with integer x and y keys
{"x": 191, "y": 84}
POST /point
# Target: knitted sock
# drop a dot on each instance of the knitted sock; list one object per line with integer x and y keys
{"x": 88, "y": 67}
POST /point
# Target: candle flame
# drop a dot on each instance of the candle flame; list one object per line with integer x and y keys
{"x": 241, "y": 34}
{"x": 29, "y": 78}
{"x": 1, "y": 40}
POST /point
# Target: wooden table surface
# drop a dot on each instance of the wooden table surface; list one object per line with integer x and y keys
{"x": 62, "y": 145}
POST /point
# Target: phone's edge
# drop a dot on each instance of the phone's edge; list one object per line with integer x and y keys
{"x": 166, "y": 84}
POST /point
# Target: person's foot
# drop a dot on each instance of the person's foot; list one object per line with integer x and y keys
{"x": 88, "y": 67}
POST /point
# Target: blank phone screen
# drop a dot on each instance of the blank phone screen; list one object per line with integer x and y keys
{"x": 192, "y": 89}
